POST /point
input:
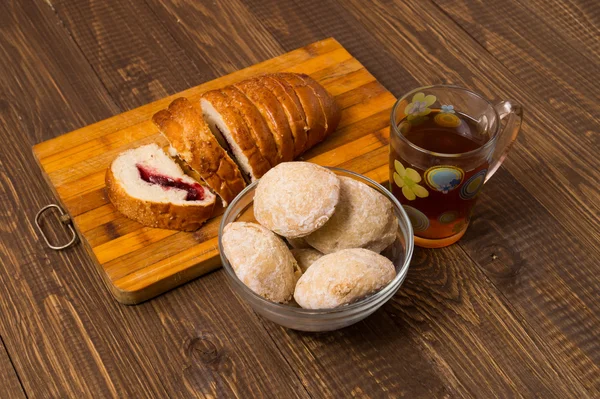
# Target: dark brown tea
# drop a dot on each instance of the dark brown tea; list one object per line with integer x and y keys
{"x": 446, "y": 140}
{"x": 438, "y": 198}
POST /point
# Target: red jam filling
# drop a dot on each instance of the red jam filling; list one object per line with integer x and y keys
{"x": 195, "y": 192}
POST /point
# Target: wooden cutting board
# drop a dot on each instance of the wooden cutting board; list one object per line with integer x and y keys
{"x": 139, "y": 262}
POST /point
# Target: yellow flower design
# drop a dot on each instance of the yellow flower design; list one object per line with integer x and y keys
{"x": 447, "y": 120}
{"x": 419, "y": 106}
{"x": 408, "y": 178}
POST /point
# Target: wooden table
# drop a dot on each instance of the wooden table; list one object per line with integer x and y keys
{"x": 512, "y": 310}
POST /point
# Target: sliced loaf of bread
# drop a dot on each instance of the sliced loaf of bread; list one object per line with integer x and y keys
{"x": 256, "y": 123}
{"x": 330, "y": 108}
{"x": 241, "y": 131}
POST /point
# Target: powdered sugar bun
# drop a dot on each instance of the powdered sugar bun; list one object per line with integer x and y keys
{"x": 306, "y": 257}
{"x": 298, "y": 243}
{"x": 261, "y": 260}
{"x": 296, "y": 198}
{"x": 364, "y": 218}
{"x": 343, "y": 277}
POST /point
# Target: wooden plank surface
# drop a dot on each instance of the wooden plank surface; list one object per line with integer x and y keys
{"x": 573, "y": 282}
{"x": 67, "y": 64}
{"x": 326, "y": 14}
{"x": 71, "y": 338}
{"x": 10, "y": 386}
{"x": 51, "y": 301}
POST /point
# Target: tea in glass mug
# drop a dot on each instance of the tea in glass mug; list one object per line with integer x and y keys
{"x": 445, "y": 143}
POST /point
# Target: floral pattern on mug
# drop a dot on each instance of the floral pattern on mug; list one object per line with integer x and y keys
{"x": 407, "y": 179}
{"x": 448, "y": 109}
{"x": 419, "y": 106}
{"x": 447, "y": 120}
{"x": 444, "y": 178}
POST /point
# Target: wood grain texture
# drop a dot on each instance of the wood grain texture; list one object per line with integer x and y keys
{"x": 543, "y": 61}
{"x": 215, "y": 351}
{"x": 10, "y": 386}
{"x": 50, "y": 300}
{"x": 574, "y": 21}
{"x": 579, "y": 278}
{"x": 525, "y": 322}
{"x": 541, "y": 270}
{"x": 129, "y": 75}
{"x": 230, "y": 36}
{"x": 54, "y": 312}
{"x": 582, "y": 360}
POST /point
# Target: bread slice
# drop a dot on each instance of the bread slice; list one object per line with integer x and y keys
{"x": 192, "y": 141}
{"x": 146, "y": 185}
{"x": 225, "y": 121}
{"x": 273, "y": 112}
{"x": 330, "y": 108}
{"x": 315, "y": 117}
{"x": 257, "y": 126}
{"x": 293, "y": 110}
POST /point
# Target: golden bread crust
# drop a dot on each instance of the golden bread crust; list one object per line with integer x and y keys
{"x": 257, "y": 126}
{"x": 182, "y": 124}
{"x": 239, "y": 131}
{"x": 330, "y": 108}
{"x": 273, "y": 113}
{"x": 293, "y": 110}
{"x": 315, "y": 117}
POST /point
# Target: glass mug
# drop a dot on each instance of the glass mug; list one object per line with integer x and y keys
{"x": 445, "y": 143}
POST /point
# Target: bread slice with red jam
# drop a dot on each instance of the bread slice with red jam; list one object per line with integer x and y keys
{"x": 148, "y": 186}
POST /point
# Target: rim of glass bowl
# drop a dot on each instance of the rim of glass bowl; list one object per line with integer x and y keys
{"x": 373, "y": 299}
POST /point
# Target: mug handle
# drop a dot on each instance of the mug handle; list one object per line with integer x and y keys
{"x": 514, "y": 112}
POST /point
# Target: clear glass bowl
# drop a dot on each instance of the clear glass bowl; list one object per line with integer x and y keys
{"x": 400, "y": 253}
